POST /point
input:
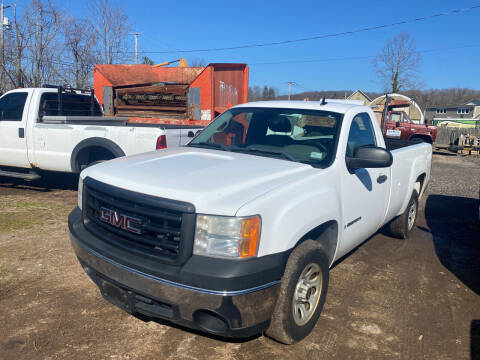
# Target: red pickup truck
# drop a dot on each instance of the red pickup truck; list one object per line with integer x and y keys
{"x": 400, "y": 126}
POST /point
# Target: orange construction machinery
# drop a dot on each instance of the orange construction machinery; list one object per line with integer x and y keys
{"x": 170, "y": 95}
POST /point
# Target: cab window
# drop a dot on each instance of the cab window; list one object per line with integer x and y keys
{"x": 12, "y": 105}
{"x": 361, "y": 134}
{"x": 72, "y": 105}
{"x": 302, "y": 135}
{"x": 395, "y": 117}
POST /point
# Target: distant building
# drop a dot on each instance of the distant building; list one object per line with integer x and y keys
{"x": 360, "y": 95}
{"x": 468, "y": 113}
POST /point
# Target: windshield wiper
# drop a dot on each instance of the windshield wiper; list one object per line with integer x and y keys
{"x": 212, "y": 145}
{"x": 271, "y": 152}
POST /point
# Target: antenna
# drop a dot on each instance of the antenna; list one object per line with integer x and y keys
{"x": 323, "y": 101}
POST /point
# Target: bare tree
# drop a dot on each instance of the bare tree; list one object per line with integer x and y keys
{"x": 43, "y": 46}
{"x": 397, "y": 64}
{"x": 16, "y": 39}
{"x": 197, "y": 62}
{"x": 80, "y": 40}
{"x": 111, "y": 24}
{"x": 18, "y": 50}
{"x": 46, "y": 46}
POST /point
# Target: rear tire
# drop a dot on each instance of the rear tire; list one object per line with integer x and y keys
{"x": 402, "y": 226}
{"x": 303, "y": 291}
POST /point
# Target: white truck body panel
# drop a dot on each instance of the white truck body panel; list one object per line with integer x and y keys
{"x": 291, "y": 198}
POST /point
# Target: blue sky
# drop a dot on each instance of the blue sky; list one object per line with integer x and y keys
{"x": 184, "y": 25}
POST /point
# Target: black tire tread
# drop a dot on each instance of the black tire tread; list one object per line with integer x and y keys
{"x": 398, "y": 227}
{"x": 278, "y": 329}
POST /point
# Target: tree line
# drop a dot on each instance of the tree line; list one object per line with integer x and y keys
{"x": 43, "y": 43}
{"x": 256, "y": 93}
{"x": 424, "y": 98}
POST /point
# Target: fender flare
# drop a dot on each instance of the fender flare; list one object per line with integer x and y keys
{"x": 94, "y": 142}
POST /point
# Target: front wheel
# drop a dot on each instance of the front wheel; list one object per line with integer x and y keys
{"x": 303, "y": 292}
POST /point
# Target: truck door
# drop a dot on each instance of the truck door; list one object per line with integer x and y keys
{"x": 13, "y": 116}
{"x": 365, "y": 192}
{"x": 405, "y": 126}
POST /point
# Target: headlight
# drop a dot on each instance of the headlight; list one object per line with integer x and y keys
{"x": 227, "y": 236}
{"x": 80, "y": 192}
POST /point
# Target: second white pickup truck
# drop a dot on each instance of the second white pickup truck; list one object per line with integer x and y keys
{"x": 235, "y": 233}
{"x": 64, "y": 130}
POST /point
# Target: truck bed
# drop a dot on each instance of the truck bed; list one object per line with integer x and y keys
{"x": 394, "y": 144}
{"x": 109, "y": 121}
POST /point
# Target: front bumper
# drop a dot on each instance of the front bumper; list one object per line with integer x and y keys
{"x": 235, "y": 313}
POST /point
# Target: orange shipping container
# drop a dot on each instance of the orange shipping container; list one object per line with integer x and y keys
{"x": 170, "y": 95}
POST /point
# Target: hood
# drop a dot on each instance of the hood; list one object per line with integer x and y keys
{"x": 215, "y": 182}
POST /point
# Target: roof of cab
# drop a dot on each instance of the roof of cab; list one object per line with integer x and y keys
{"x": 333, "y": 105}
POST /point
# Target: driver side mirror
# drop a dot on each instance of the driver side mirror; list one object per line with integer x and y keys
{"x": 369, "y": 157}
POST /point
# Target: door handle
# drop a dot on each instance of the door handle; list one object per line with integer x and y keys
{"x": 21, "y": 133}
{"x": 381, "y": 179}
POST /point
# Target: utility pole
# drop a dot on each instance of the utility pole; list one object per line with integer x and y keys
{"x": 2, "y": 47}
{"x": 290, "y": 83}
{"x": 136, "y": 45}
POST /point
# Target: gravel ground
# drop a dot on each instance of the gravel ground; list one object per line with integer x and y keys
{"x": 389, "y": 299}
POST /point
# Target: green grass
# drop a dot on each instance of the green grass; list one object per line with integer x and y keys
{"x": 26, "y": 214}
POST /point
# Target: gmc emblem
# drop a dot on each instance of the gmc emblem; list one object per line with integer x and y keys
{"x": 120, "y": 221}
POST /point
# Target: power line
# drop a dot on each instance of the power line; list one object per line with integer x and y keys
{"x": 318, "y": 37}
{"x": 354, "y": 57}
{"x": 303, "y": 87}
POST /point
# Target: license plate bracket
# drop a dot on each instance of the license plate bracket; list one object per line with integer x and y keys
{"x": 116, "y": 295}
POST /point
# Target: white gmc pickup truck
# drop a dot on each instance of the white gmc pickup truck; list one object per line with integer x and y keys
{"x": 234, "y": 234}
{"x": 59, "y": 129}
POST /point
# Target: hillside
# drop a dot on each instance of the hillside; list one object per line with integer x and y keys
{"x": 431, "y": 97}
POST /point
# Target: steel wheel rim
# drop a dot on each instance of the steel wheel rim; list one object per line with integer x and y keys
{"x": 307, "y": 294}
{"x": 412, "y": 213}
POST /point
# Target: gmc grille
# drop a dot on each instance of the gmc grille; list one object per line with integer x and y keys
{"x": 163, "y": 228}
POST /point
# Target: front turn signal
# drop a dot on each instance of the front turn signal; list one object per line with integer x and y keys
{"x": 250, "y": 237}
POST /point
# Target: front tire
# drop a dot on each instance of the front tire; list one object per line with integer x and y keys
{"x": 302, "y": 294}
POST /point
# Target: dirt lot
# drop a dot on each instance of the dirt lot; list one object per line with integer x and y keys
{"x": 389, "y": 299}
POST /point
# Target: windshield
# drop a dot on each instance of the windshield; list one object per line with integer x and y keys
{"x": 307, "y": 136}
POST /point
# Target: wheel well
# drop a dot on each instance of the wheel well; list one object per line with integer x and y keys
{"x": 91, "y": 150}
{"x": 421, "y": 180}
{"x": 327, "y": 235}
{"x": 91, "y": 154}
{"x": 426, "y": 138}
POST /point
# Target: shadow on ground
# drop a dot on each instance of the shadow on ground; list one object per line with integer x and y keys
{"x": 475, "y": 340}
{"x": 48, "y": 182}
{"x": 453, "y": 222}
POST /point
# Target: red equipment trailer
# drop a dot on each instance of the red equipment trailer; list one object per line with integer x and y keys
{"x": 170, "y": 95}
